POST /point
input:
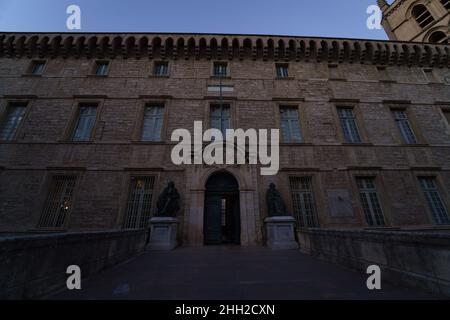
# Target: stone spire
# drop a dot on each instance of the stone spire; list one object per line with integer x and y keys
{"x": 383, "y": 5}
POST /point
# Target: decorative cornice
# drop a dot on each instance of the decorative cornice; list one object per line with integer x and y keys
{"x": 222, "y": 47}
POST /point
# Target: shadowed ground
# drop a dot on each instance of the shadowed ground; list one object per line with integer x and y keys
{"x": 226, "y": 272}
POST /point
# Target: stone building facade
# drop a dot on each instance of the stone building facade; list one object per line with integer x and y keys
{"x": 86, "y": 124}
{"x": 417, "y": 20}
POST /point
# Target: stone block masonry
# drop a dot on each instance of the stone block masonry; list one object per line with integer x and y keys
{"x": 33, "y": 266}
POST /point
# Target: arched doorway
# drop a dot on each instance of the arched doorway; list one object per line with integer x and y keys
{"x": 221, "y": 223}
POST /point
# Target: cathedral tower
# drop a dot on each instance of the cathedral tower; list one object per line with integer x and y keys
{"x": 416, "y": 20}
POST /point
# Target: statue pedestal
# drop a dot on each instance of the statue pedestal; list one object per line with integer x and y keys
{"x": 280, "y": 233}
{"x": 163, "y": 233}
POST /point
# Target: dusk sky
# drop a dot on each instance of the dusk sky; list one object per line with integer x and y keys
{"x": 328, "y": 18}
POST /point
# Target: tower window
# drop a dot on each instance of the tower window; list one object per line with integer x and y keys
{"x": 438, "y": 37}
{"x": 403, "y": 125}
{"x": 12, "y": 120}
{"x": 37, "y": 67}
{"x": 153, "y": 122}
{"x": 348, "y": 124}
{"x": 220, "y": 117}
{"x": 87, "y": 114}
{"x": 290, "y": 124}
{"x": 446, "y": 4}
{"x": 161, "y": 69}
{"x": 220, "y": 69}
{"x": 101, "y": 68}
{"x": 282, "y": 70}
{"x": 422, "y": 15}
{"x": 435, "y": 203}
{"x": 369, "y": 200}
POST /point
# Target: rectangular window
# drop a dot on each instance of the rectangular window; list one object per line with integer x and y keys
{"x": 12, "y": 120}
{"x": 446, "y": 4}
{"x": 220, "y": 117}
{"x": 435, "y": 203}
{"x": 87, "y": 114}
{"x": 153, "y": 122}
{"x": 37, "y": 68}
{"x": 220, "y": 69}
{"x": 290, "y": 124}
{"x": 139, "y": 203}
{"x": 369, "y": 201}
{"x": 447, "y": 115}
{"x": 59, "y": 202}
{"x": 402, "y": 122}
{"x": 303, "y": 201}
{"x": 282, "y": 70}
{"x": 161, "y": 69}
{"x": 101, "y": 68}
{"x": 348, "y": 124}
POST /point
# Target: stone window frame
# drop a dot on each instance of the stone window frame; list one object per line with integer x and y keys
{"x": 407, "y": 108}
{"x": 4, "y": 105}
{"x": 44, "y": 190}
{"x": 301, "y": 118}
{"x": 289, "y": 70}
{"x": 227, "y": 63}
{"x": 443, "y": 192}
{"x": 380, "y": 184}
{"x": 125, "y": 186}
{"x": 93, "y": 71}
{"x": 355, "y": 105}
{"x": 73, "y": 118}
{"x": 153, "y": 68}
{"x": 139, "y": 119}
{"x": 30, "y": 67}
{"x": 318, "y": 192}
{"x": 233, "y": 112}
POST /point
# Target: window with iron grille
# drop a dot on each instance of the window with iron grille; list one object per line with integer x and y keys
{"x": 12, "y": 120}
{"x": 220, "y": 117}
{"x": 139, "y": 203}
{"x": 153, "y": 122}
{"x": 348, "y": 124}
{"x": 161, "y": 69}
{"x": 303, "y": 202}
{"x": 101, "y": 68}
{"x": 446, "y": 4}
{"x": 435, "y": 203}
{"x": 369, "y": 201}
{"x": 422, "y": 15}
{"x": 402, "y": 122}
{"x": 87, "y": 114}
{"x": 290, "y": 124}
{"x": 59, "y": 203}
{"x": 220, "y": 69}
{"x": 37, "y": 67}
{"x": 282, "y": 70}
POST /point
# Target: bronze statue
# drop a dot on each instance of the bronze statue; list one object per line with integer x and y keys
{"x": 275, "y": 204}
{"x": 168, "y": 201}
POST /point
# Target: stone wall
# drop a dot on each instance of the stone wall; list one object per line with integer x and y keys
{"x": 414, "y": 259}
{"x": 35, "y": 265}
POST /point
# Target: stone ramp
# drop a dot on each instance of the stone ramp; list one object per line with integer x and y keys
{"x": 231, "y": 272}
